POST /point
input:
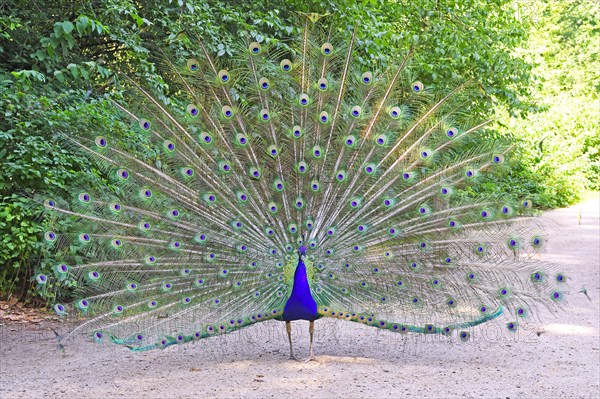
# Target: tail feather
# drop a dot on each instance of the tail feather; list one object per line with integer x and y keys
{"x": 211, "y": 194}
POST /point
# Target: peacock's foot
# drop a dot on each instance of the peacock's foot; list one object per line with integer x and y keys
{"x": 293, "y": 357}
{"x": 311, "y": 358}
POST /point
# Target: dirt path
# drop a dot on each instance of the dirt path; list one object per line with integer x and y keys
{"x": 353, "y": 360}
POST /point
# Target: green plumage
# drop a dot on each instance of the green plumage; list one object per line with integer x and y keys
{"x": 260, "y": 154}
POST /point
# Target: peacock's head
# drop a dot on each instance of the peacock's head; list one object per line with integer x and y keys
{"x": 302, "y": 250}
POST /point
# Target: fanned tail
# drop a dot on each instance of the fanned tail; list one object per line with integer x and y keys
{"x": 211, "y": 194}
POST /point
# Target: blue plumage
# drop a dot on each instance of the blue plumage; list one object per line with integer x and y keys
{"x": 300, "y": 304}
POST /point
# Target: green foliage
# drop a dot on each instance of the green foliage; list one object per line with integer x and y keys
{"x": 19, "y": 240}
{"x": 36, "y": 159}
{"x": 75, "y": 42}
{"x": 559, "y": 145}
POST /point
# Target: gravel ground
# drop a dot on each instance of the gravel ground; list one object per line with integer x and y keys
{"x": 557, "y": 359}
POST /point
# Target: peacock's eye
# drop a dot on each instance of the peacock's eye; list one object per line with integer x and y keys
{"x": 367, "y": 78}
{"x": 322, "y": 84}
{"x": 254, "y": 48}
{"x": 327, "y": 49}
{"x": 193, "y": 65}
{"x": 224, "y": 76}
{"x": 263, "y": 83}
{"x": 286, "y": 65}
{"x": 193, "y": 110}
{"x": 417, "y": 87}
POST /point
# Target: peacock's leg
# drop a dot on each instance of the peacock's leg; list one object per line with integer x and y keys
{"x": 288, "y": 329}
{"x": 311, "y": 331}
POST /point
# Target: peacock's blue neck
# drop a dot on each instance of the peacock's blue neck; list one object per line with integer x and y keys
{"x": 300, "y": 305}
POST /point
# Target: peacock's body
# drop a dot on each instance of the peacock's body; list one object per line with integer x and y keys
{"x": 295, "y": 186}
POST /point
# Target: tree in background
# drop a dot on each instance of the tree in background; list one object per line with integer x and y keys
{"x": 560, "y": 144}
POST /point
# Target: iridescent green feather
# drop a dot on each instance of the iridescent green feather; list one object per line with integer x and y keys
{"x": 260, "y": 153}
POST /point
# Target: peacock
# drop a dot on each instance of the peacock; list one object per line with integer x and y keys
{"x": 289, "y": 183}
